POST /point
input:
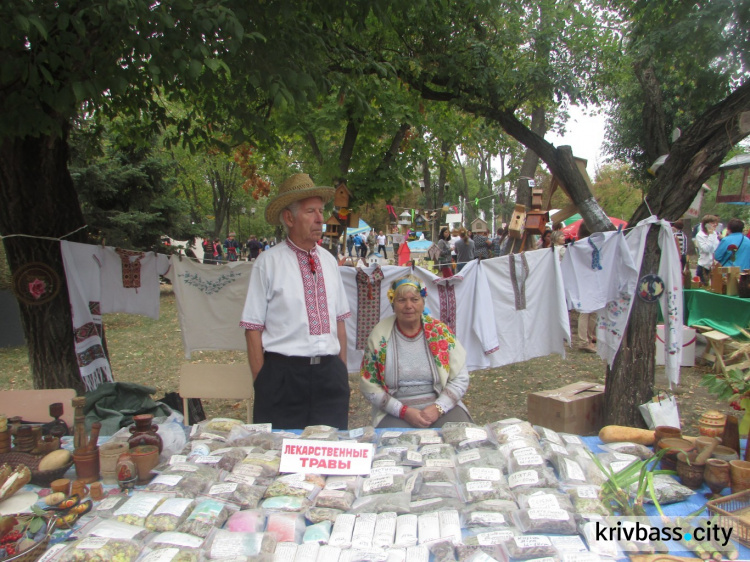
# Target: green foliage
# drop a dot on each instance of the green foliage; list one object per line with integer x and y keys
{"x": 127, "y": 192}
{"x": 725, "y": 387}
{"x": 616, "y": 192}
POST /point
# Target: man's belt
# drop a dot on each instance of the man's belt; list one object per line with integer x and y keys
{"x": 315, "y": 360}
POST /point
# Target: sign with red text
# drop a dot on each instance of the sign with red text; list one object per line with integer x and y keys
{"x": 325, "y": 457}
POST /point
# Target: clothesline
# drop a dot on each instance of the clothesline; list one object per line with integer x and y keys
{"x": 43, "y": 237}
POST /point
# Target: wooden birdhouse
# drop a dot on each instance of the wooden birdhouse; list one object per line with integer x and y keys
{"x": 419, "y": 222}
{"x": 536, "y": 222}
{"x": 342, "y": 196}
{"x": 353, "y": 219}
{"x": 479, "y": 225}
{"x": 536, "y": 199}
{"x": 517, "y": 220}
{"x": 404, "y": 218}
{"x": 333, "y": 228}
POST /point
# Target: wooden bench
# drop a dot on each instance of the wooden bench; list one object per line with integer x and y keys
{"x": 33, "y": 405}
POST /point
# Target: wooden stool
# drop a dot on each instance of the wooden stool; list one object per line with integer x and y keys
{"x": 715, "y": 349}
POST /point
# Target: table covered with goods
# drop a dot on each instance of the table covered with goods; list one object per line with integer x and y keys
{"x": 504, "y": 491}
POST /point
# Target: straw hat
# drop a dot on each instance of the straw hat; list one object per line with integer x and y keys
{"x": 295, "y": 188}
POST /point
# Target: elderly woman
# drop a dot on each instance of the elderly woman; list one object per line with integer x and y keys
{"x": 413, "y": 371}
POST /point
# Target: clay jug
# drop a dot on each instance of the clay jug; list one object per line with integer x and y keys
{"x": 144, "y": 432}
{"x": 743, "y": 286}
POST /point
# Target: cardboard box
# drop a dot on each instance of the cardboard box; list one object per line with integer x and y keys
{"x": 688, "y": 346}
{"x": 576, "y": 408}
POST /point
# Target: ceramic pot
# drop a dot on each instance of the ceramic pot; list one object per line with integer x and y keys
{"x": 663, "y": 431}
{"x": 725, "y": 453}
{"x": 109, "y": 453}
{"x": 145, "y": 457}
{"x": 144, "y": 432}
{"x": 87, "y": 465}
{"x": 711, "y": 424}
{"x": 739, "y": 472}
{"x": 674, "y": 446}
{"x": 97, "y": 491}
{"x": 690, "y": 472}
{"x": 716, "y": 475}
{"x": 61, "y": 485}
{"x": 127, "y": 472}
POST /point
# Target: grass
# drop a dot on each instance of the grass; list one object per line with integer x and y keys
{"x": 150, "y": 352}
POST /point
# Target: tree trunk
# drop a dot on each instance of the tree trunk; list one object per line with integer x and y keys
{"x": 530, "y": 158}
{"x": 39, "y": 199}
{"x": 630, "y": 382}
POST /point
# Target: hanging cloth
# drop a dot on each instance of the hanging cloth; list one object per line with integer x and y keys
{"x": 368, "y": 304}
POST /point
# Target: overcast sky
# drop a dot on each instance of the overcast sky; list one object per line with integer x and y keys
{"x": 585, "y": 133}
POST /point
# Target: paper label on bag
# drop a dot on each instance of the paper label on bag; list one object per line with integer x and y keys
{"x": 162, "y": 555}
{"x": 385, "y": 530}
{"x": 406, "y": 530}
{"x": 528, "y": 541}
{"x": 364, "y": 529}
{"x": 395, "y": 450}
{"x": 450, "y": 525}
{"x": 356, "y": 433}
{"x": 341, "y": 535}
{"x": 177, "y": 459}
{"x": 422, "y": 503}
{"x": 325, "y": 494}
{"x": 258, "y": 427}
{"x": 383, "y": 462}
{"x": 179, "y": 539}
{"x": 487, "y": 517}
{"x": 411, "y": 481}
{"x": 588, "y": 492}
{"x": 439, "y": 463}
{"x": 479, "y": 486}
{"x": 337, "y": 485}
{"x": 529, "y": 460}
{"x": 572, "y": 439}
{"x": 212, "y": 436}
{"x": 511, "y": 430}
{"x": 284, "y": 552}
{"x": 413, "y": 456}
{"x": 241, "y": 478}
{"x": 92, "y": 543}
{"x": 523, "y": 478}
{"x": 558, "y": 449}
{"x": 569, "y": 544}
{"x": 173, "y": 506}
{"x": 551, "y": 436}
{"x": 543, "y": 501}
{"x": 428, "y": 526}
{"x": 206, "y": 459}
{"x": 625, "y": 457}
{"x": 248, "y": 469}
{"x": 617, "y": 466}
{"x": 140, "y": 505}
{"x": 554, "y": 514}
{"x": 116, "y": 531}
{"x": 390, "y": 434}
{"x": 228, "y": 544}
{"x": 184, "y": 467}
{"x": 430, "y": 439}
{"x": 430, "y": 449}
{"x": 522, "y": 451}
{"x": 109, "y": 503}
{"x": 475, "y": 434}
{"x": 217, "y": 489}
{"x": 494, "y": 537}
{"x": 481, "y": 473}
{"x": 468, "y": 456}
{"x": 575, "y": 472}
{"x": 224, "y": 451}
{"x": 386, "y": 470}
{"x": 371, "y": 484}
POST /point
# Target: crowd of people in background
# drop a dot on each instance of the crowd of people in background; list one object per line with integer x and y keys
{"x": 217, "y": 252}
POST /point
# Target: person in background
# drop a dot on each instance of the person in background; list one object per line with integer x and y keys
{"x": 232, "y": 247}
{"x": 294, "y": 317}
{"x": 558, "y": 239}
{"x": 396, "y": 240}
{"x": 381, "y": 245}
{"x": 371, "y": 243}
{"x": 586, "y": 320}
{"x": 558, "y": 226}
{"x": 350, "y": 244}
{"x": 445, "y": 263}
{"x": 545, "y": 240}
{"x": 218, "y": 252}
{"x": 481, "y": 245}
{"x": 681, "y": 241}
{"x": 208, "y": 250}
{"x": 734, "y": 248}
{"x": 254, "y": 248}
{"x": 414, "y": 370}
{"x": 464, "y": 250}
{"x": 706, "y": 242}
{"x": 357, "y": 246}
{"x": 497, "y": 242}
{"x": 455, "y": 237}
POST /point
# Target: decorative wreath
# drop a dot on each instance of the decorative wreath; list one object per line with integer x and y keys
{"x": 36, "y": 283}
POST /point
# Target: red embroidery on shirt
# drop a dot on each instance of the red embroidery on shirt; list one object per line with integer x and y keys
{"x": 447, "y": 305}
{"x": 131, "y": 270}
{"x": 316, "y": 301}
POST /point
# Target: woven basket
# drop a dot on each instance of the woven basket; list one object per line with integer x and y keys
{"x": 728, "y": 512}
{"x": 34, "y": 553}
{"x": 40, "y": 478}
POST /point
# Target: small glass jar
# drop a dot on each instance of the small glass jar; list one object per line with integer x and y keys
{"x": 127, "y": 472}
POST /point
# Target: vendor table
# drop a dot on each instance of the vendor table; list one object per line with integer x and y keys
{"x": 720, "y": 312}
{"x": 690, "y": 506}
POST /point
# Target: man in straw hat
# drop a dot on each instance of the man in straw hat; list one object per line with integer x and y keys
{"x": 294, "y": 317}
